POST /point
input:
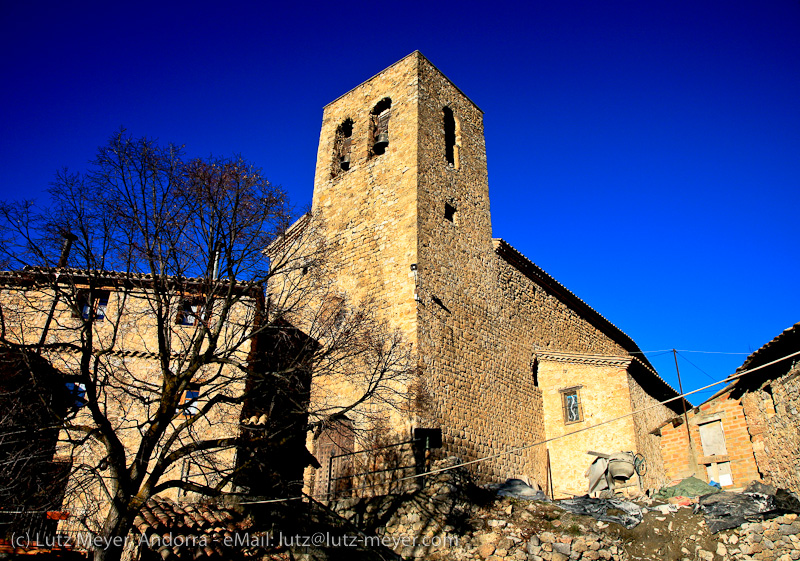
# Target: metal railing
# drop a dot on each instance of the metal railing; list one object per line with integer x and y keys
{"x": 332, "y": 491}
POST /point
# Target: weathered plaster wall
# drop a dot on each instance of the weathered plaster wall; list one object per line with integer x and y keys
{"x": 603, "y": 395}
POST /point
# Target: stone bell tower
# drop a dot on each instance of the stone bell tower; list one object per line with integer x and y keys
{"x": 401, "y": 185}
{"x": 401, "y": 163}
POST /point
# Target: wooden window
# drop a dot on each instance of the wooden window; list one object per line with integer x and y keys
{"x": 189, "y": 401}
{"x": 92, "y": 304}
{"x": 572, "y": 406}
{"x": 192, "y": 312}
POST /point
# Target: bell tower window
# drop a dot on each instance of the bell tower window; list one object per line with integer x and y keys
{"x": 341, "y": 147}
{"x": 379, "y": 126}
{"x": 452, "y": 137}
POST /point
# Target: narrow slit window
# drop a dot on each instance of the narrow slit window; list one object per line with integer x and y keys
{"x": 449, "y": 212}
{"x": 379, "y": 126}
{"x": 342, "y": 147}
{"x": 452, "y": 137}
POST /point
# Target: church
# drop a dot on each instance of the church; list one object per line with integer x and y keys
{"x": 510, "y": 362}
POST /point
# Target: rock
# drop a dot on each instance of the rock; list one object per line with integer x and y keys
{"x": 705, "y": 555}
{"x": 789, "y": 529}
{"x": 734, "y": 539}
{"x": 534, "y": 540}
{"x": 579, "y": 545}
{"x": 486, "y": 549}
{"x": 722, "y": 551}
{"x": 496, "y": 523}
{"x": 491, "y": 538}
{"x": 505, "y": 543}
{"x": 558, "y": 557}
{"x": 562, "y": 548}
{"x": 547, "y": 537}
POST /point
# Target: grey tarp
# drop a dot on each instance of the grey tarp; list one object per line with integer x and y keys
{"x": 630, "y": 513}
{"x": 520, "y": 490}
{"x": 730, "y": 510}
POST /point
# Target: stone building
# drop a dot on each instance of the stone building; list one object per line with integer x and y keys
{"x": 748, "y": 430}
{"x": 100, "y": 328}
{"x": 507, "y": 356}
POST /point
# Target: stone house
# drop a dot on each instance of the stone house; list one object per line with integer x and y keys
{"x": 507, "y": 356}
{"x": 45, "y": 313}
{"x": 748, "y": 430}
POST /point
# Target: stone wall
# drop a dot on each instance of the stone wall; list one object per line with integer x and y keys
{"x": 412, "y": 229}
{"x": 129, "y": 379}
{"x": 773, "y": 422}
{"x": 648, "y": 444}
{"x": 476, "y": 373}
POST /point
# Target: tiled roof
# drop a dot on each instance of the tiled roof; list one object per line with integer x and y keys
{"x": 783, "y": 338}
{"x": 201, "y": 531}
{"x": 515, "y": 258}
{"x": 32, "y": 273}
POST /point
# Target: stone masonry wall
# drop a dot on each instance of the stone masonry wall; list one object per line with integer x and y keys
{"x": 369, "y": 211}
{"x": 647, "y": 443}
{"x": 128, "y": 334}
{"x": 476, "y": 320}
{"x": 773, "y": 422}
{"x": 478, "y": 378}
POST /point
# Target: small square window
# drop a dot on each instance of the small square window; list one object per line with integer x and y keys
{"x": 189, "y": 401}
{"x": 92, "y": 304}
{"x": 78, "y": 392}
{"x": 571, "y": 404}
{"x": 192, "y": 312}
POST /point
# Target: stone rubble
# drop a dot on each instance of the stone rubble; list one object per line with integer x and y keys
{"x": 459, "y": 527}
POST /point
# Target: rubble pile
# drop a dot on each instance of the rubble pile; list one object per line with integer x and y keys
{"x": 448, "y": 518}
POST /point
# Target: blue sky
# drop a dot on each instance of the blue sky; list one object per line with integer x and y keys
{"x": 646, "y": 154}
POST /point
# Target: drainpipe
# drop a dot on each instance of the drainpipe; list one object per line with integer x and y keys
{"x": 66, "y": 246}
{"x": 217, "y": 252}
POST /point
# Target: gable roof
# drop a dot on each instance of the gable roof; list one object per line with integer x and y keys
{"x": 516, "y": 259}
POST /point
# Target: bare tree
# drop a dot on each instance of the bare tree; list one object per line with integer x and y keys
{"x": 193, "y": 325}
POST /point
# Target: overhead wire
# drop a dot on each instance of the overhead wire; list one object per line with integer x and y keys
{"x": 539, "y": 443}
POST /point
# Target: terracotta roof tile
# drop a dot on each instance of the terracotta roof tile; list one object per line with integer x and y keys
{"x": 199, "y": 532}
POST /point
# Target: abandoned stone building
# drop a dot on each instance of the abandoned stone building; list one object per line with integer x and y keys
{"x": 748, "y": 430}
{"x": 507, "y": 356}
